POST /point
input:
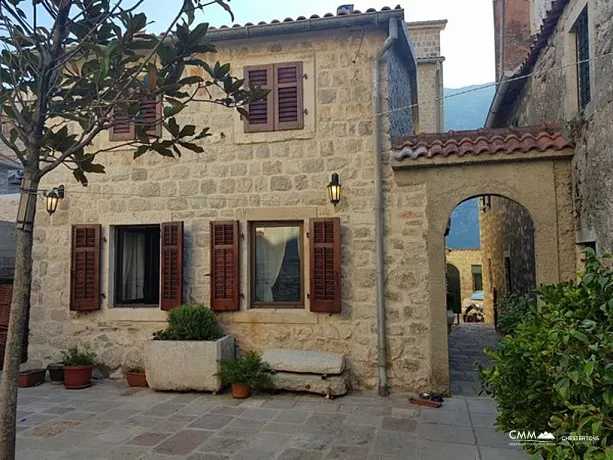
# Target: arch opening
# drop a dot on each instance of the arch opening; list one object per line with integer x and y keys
{"x": 490, "y": 240}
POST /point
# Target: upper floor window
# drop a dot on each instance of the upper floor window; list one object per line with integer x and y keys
{"x": 582, "y": 47}
{"x": 477, "y": 273}
{"x": 283, "y": 108}
{"x": 149, "y": 116}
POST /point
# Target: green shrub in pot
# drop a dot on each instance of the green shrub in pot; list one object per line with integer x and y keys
{"x": 74, "y": 357}
{"x": 248, "y": 370}
{"x": 190, "y": 322}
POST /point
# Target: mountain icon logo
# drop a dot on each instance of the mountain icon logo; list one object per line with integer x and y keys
{"x": 546, "y": 435}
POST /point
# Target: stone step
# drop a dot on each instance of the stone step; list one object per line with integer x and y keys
{"x": 335, "y": 385}
{"x": 304, "y": 362}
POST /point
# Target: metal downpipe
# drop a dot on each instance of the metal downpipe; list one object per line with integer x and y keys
{"x": 379, "y": 210}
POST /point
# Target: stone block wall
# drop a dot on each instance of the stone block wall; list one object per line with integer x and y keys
{"x": 426, "y": 38}
{"x": 247, "y": 177}
{"x": 507, "y": 237}
{"x": 550, "y": 96}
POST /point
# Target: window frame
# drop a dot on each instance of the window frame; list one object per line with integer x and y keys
{"x": 474, "y": 275}
{"x": 583, "y": 72}
{"x": 117, "y": 271}
{"x": 273, "y": 123}
{"x": 152, "y": 130}
{"x": 252, "y": 264}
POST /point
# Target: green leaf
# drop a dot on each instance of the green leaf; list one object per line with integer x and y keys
{"x": 596, "y": 428}
{"x": 171, "y": 111}
{"x": 580, "y": 336}
{"x": 141, "y": 150}
{"x": 563, "y": 388}
{"x": 190, "y": 146}
{"x": 188, "y": 130}
{"x": 80, "y": 176}
{"x": 574, "y": 376}
{"x": 608, "y": 397}
{"x": 588, "y": 368}
{"x": 199, "y": 32}
{"x": 191, "y": 80}
{"x": 226, "y": 7}
{"x": 173, "y": 127}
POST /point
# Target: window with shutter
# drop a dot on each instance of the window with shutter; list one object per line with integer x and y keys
{"x": 85, "y": 269}
{"x": 122, "y": 129}
{"x": 171, "y": 261}
{"x": 283, "y": 108}
{"x": 151, "y": 115}
{"x": 224, "y": 266}
{"x": 325, "y": 269}
{"x": 260, "y": 112}
{"x": 288, "y": 96}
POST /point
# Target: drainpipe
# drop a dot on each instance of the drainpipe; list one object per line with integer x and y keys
{"x": 501, "y": 40}
{"x": 379, "y": 216}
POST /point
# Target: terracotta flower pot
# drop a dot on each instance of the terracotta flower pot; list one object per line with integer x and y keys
{"x": 56, "y": 373}
{"x": 77, "y": 377}
{"x": 31, "y": 378}
{"x": 137, "y": 379}
{"x": 240, "y": 390}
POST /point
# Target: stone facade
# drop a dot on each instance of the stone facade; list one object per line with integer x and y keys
{"x": 516, "y": 35}
{"x": 551, "y": 96}
{"x": 507, "y": 244}
{"x": 426, "y": 38}
{"x": 249, "y": 177}
{"x": 464, "y": 260}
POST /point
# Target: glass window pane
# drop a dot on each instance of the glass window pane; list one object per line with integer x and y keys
{"x": 277, "y": 264}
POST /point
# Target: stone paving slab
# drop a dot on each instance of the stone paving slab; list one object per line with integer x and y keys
{"x": 139, "y": 424}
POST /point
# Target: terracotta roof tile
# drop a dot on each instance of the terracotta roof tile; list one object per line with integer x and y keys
{"x": 303, "y": 18}
{"x": 549, "y": 25}
{"x": 482, "y": 142}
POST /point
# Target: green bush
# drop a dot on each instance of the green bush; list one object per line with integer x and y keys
{"x": 75, "y": 357}
{"x": 249, "y": 369}
{"x": 190, "y": 322}
{"x": 513, "y": 309}
{"x": 555, "y": 372}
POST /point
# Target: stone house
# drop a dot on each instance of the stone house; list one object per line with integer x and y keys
{"x": 467, "y": 265}
{"x": 247, "y": 227}
{"x": 566, "y": 78}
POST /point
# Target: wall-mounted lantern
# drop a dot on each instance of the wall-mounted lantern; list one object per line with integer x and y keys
{"x": 53, "y": 197}
{"x": 334, "y": 189}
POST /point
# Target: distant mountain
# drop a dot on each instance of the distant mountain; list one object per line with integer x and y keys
{"x": 469, "y": 110}
{"x": 462, "y": 112}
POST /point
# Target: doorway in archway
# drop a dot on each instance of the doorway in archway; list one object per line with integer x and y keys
{"x": 490, "y": 242}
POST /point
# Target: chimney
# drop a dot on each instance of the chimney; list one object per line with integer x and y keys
{"x": 513, "y": 33}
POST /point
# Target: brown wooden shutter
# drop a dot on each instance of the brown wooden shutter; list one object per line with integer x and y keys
{"x": 85, "y": 269}
{"x": 325, "y": 276}
{"x": 122, "y": 129}
{"x": 151, "y": 115}
{"x": 224, "y": 266}
{"x": 171, "y": 265}
{"x": 289, "y": 112}
{"x": 261, "y": 116}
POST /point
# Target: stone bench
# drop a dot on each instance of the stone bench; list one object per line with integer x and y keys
{"x": 313, "y": 371}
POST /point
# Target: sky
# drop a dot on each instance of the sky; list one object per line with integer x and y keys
{"x": 467, "y": 42}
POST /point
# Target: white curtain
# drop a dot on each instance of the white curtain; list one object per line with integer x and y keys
{"x": 270, "y": 250}
{"x": 133, "y": 266}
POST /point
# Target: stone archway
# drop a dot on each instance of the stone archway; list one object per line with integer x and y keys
{"x": 530, "y": 166}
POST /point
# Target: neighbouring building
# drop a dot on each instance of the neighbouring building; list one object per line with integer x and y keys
{"x": 566, "y": 78}
{"x": 426, "y": 38}
{"x": 468, "y": 263}
{"x": 507, "y": 245}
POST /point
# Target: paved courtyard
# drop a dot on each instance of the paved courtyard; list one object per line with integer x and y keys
{"x": 466, "y": 344}
{"x": 113, "y": 421}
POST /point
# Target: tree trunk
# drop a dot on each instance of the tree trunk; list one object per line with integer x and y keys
{"x": 19, "y": 306}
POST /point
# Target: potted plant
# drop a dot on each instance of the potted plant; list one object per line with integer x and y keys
{"x": 56, "y": 373}
{"x": 185, "y": 356}
{"x": 31, "y": 378}
{"x": 136, "y": 377}
{"x": 245, "y": 374}
{"x": 78, "y": 367}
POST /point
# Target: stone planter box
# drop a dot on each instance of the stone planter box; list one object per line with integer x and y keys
{"x": 186, "y": 365}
